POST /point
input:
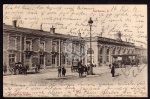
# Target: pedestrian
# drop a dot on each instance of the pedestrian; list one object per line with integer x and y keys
{"x": 110, "y": 66}
{"x": 59, "y": 71}
{"x": 80, "y": 69}
{"x": 85, "y": 69}
{"x": 63, "y": 71}
{"x": 88, "y": 69}
{"x": 113, "y": 70}
{"x": 25, "y": 70}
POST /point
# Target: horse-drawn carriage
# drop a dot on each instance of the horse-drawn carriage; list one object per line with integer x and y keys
{"x": 19, "y": 68}
{"x": 74, "y": 67}
{"x": 78, "y": 66}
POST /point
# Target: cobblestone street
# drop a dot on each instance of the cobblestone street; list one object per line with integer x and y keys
{"x": 102, "y": 75}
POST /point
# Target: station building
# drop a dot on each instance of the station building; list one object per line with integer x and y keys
{"x": 31, "y": 47}
{"x": 103, "y": 48}
{"x": 48, "y": 48}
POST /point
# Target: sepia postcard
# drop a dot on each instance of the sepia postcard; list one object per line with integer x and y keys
{"x": 59, "y": 50}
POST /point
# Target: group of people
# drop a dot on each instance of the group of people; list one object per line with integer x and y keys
{"x": 83, "y": 68}
{"x": 20, "y": 69}
{"x": 61, "y": 70}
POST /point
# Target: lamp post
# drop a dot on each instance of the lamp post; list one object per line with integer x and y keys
{"x": 91, "y": 68}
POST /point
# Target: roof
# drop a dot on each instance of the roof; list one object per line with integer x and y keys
{"x": 139, "y": 47}
{"x": 110, "y": 41}
{"x": 125, "y": 54}
{"x": 36, "y": 32}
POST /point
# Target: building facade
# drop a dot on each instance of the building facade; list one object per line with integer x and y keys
{"x": 50, "y": 49}
{"x": 103, "y": 49}
{"x": 31, "y": 47}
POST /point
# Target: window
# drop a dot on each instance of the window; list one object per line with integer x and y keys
{"x": 12, "y": 43}
{"x": 107, "y": 51}
{"x": 54, "y": 47}
{"x": 124, "y": 51}
{"x": 64, "y": 59}
{"x": 42, "y": 59}
{"x": 68, "y": 62}
{"x": 119, "y": 51}
{"x": 27, "y": 56}
{"x": 11, "y": 58}
{"x": 82, "y": 49}
{"x": 128, "y": 52}
{"x": 113, "y": 51}
{"x": 107, "y": 57}
{"x": 101, "y": 55}
{"x": 28, "y": 45}
{"x": 42, "y": 46}
{"x": 53, "y": 59}
{"x": 90, "y": 51}
{"x": 100, "y": 59}
{"x": 101, "y": 51}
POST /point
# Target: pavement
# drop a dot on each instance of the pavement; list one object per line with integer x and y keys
{"x": 49, "y": 77}
{"x": 103, "y": 73}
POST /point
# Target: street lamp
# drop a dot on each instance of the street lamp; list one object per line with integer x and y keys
{"x": 91, "y": 68}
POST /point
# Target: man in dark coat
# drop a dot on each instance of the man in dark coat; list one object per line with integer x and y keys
{"x": 59, "y": 71}
{"x": 25, "y": 69}
{"x": 63, "y": 71}
{"x": 109, "y": 65}
{"x": 113, "y": 70}
{"x": 85, "y": 69}
{"x": 80, "y": 69}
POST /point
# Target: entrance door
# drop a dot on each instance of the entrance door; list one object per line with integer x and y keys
{"x": 54, "y": 60}
{"x": 28, "y": 61}
{"x": 42, "y": 61}
{"x": 12, "y": 60}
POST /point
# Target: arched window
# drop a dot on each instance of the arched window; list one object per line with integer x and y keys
{"x": 107, "y": 52}
{"x": 124, "y": 51}
{"x": 90, "y": 51}
{"x": 63, "y": 59}
{"x": 107, "y": 57}
{"x": 101, "y": 55}
{"x": 132, "y": 51}
{"x": 128, "y": 52}
{"x": 113, "y": 51}
{"x": 101, "y": 50}
{"x": 119, "y": 51}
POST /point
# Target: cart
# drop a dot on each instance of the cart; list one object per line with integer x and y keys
{"x": 123, "y": 60}
{"x": 74, "y": 67}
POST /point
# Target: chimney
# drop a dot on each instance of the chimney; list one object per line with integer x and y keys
{"x": 52, "y": 30}
{"x": 41, "y": 27}
{"x": 14, "y": 23}
{"x": 79, "y": 34}
{"x": 126, "y": 39}
{"x": 118, "y": 36}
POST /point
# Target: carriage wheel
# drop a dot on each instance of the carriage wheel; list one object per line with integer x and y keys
{"x": 12, "y": 71}
{"x": 17, "y": 72}
{"x": 71, "y": 70}
{"x": 36, "y": 70}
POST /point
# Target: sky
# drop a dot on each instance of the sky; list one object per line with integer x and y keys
{"x": 130, "y": 20}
